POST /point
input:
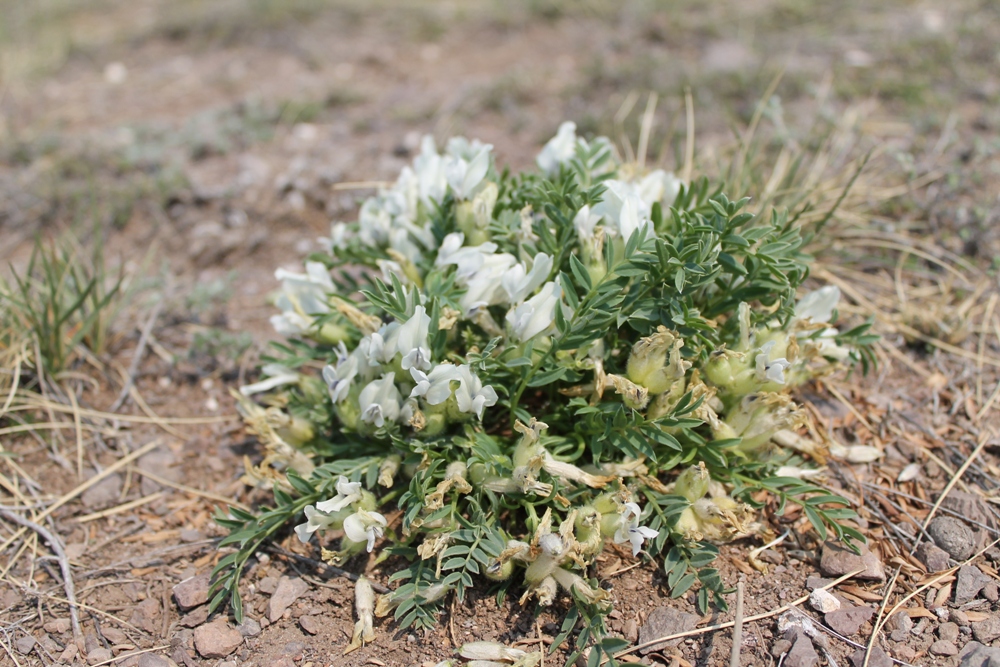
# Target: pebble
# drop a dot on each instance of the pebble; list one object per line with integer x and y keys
{"x": 802, "y": 653}
{"x": 941, "y": 647}
{"x": 103, "y": 494}
{"x": 823, "y": 601}
{"x": 249, "y": 628}
{"x": 934, "y": 558}
{"x": 948, "y": 632}
{"x": 780, "y": 647}
{"x": 812, "y": 583}
{"x": 309, "y": 624}
{"x": 953, "y": 536}
{"x": 99, "y": 655}
{"x": 969, "y": 582}
{"x": 848, "y": 621}
{"x": 146, "y": 615}
{"x": 57, "y": 626}
{"x": 217, "y": 639}
{"x": 837, "y": 560}
{"x": 899, "y": 625}
{"x": 960, "y": 617}
{"x": 195, "y": 618}
{"x": 879, "y": 658}
{"x": 631, "y": 630}
{"x": 976, "y": 655}
{"x": 25, "y": 644}
{"x": 987, "y": 630}
{"x": 114, "y": 635}
{"x": 192, "y": 592}
{"x": 153, "y": 660}
{"x": 664, "y": 621}
{"x": 991, "y": 591}
{"x": 905, "y": 653}
{"x": 288, "y": 590}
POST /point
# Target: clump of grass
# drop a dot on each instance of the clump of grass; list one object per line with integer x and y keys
{"x": 65, "y": 297}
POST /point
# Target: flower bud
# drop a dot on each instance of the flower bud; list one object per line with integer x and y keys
{"x": 387, "y": 470}
{"x": 693, "y": 482}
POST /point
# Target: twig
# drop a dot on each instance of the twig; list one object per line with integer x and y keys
{"x": 729, "y": 624}
{"x": 189, "y": 489}
{"x": 140, "y": 349}
{"x": 118, "y": 509}
{"x": 57, "y": 548}
{"x": 734, "y": 657}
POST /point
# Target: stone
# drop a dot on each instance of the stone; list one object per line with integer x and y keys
{"x": 217, "y": 639}
{"x": 309, "y": 624}
{"x": 948, "y": 632}
{"x": 631, "y": 630}
{"x": 25, "y": 644}
{"x": 812, "y": 583}
{"x": 991, "y": 591}
{"x": 952, "y": 535}
{"x": 289, "y": 590}
{"x": 823, "y": 601}
{"x": 780, "y": 648}
{"x": 283, "y": 662}
{"x": 987, "y": 630}
{"x": 153, "y": 660}
{"x": 837, "y": 560}
{"x": 103, "y": 494}
{"x": 904, "y": 653}
{"x": 878, "y": 658}
{"x": 934, "y": 558}
{"x": 192, "y": 592}
{"x": 848, "y": 621}
{"x": 941, "y": 647}
{"x": 802, "y": 653}
{"x": 114, "y": 635}
{"x": 99, "y": 655}
{"x": 297, "y": 650}
{"x": 267, "y": 585}
{"x": 160, "y": 463}
{"x": 57, "y": 626}
{"x": 969, "y": 582}
{"x": 662, "y": 622}
{"x": 249, "y": 628}
{"x": 899, "y": 626}
{"x": 959, "y": 617}
{"x": 146, "y": 615}
{"x": 195, "y": 618}
{"x": 976, "y": 655}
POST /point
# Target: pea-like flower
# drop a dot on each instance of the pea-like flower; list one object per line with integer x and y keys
{"x": 365, "y": 526}
{"x": 536, "y": 315}
{"x": 276, "y": 375}
{"x": 315, "y": 520}
{"x": 559, "y": 150}
{"x": 630, "y": 532}
{"x": 434, "y": 387}
{"x": 471, "y": 395}
{"x": 380, "y": 401}
{"x": 768, "y": 369}
{"x": 348, "y": 492}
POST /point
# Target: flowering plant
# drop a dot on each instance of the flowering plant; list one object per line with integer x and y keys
{"x": 488, "y": 374}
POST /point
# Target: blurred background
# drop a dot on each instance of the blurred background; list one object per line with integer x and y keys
{"x": 212, "y": 141}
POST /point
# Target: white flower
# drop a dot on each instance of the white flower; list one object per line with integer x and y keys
{"x": 314, "y": 521}
{"x": 770, "y": 370}
{"x": 630, "y": 220}
{"x": 380, "y": 401}
{"x": 471, "y": 395}
{"x": 559, "y": 150}
{"x": 537, "y": 314}
{"x": 434, "y": 387}
{"x": 339, "y": 379}
{"x": 276, "y": 375}
{"x": 629, "y": 530}
{"x": 484, "y": 287}
{"x": 347, "y": 493}
{"x": 467, "y": 259}
{"x": 429, "y": 167}
{"x": 411, "y": 340}
{"x": 519, "y": 283}
{"x": 818, "y": 306}
{"x": 465, "y": 172}
{"x": 302, "y": 297}
{"x": 659, "y": 186}
{"x": 363, "y": 526}
{"x": 585, "y": 221}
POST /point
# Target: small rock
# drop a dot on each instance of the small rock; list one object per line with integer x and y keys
{"x": 969, "y": 582}
{"x": 960, "y": 617}
{"x": 991, "y": 591}
{"x": 195, "y": 618}
{"x": 987, "y": 630}
{"x": 662, "y": 622}
{"x": 976, "y": 655}
{"x": 296, "y": 650}
{"x": 823, "y": 601}
{"x": 837, "y": 560}
{"x": 283, "y": 662}
{"x": 878, "y": 658}
{"x": 99, "y": 655}
{"x": 103, "y": 494}
{"x": 249, "y": 628}
{"x": 114, "y": 635}
{"x": 941, "y": 647}
{"x": 934, "y": 558}
{"x": 899, "y": 625}
{"x": 780, "y": 648}
{"x": 904, "y": 653}
{"x": 848, "y": 621}
{"x": 192, "y": 592}
{"x": 25, "y": 644}
{"x": 812, "y": 583}
{"x": 190, "y": 535}
{"x": 289, "y": 590}
{"x": 953, "y": 536}
{"x": 310, "y": 625}
{"x": 217, "y": 639}
{"x": 948, "y": 632}
{"x": 267, "y": 585}
{"x": 146, "y": 615}
{"x": 153, "y": 660}
{"x": 57, "y": 626}
{"x": 160, "y": 463}
{"x": 802, "y": 653}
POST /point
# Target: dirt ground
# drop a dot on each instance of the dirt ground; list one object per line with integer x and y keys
{"x": 211, "y": 143}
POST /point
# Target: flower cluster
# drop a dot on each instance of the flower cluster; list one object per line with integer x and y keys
{"x": 590, "y": 351}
